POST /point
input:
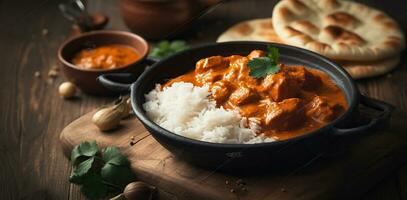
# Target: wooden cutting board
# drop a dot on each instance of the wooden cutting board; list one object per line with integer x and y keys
{"x": 364, "y": 162}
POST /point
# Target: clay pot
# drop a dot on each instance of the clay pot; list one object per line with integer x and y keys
{"x": 85, "y": 79}
{"x": 158, "y": 19}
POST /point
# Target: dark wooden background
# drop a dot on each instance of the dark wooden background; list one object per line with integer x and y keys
{"x": 32, "y": 114}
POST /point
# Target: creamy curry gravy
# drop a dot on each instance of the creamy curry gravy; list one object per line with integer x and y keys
{"x": 287, "y": 104}
{"x": 106, "y": 57}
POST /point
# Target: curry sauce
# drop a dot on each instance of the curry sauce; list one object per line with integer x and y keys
{"x": 106, "y": 57}
{"x": 292, "y": 102}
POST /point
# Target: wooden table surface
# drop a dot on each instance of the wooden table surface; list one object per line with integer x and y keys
{"x": 32, "y": 114}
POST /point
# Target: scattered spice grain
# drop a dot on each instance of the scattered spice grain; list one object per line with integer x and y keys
{"x": 240, "y": 182}
{"x": 52, "y": 73}
{"x": 44, "y": 31}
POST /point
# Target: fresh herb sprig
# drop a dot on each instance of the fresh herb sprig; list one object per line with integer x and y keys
{"x": 99, "y": 171}
{"x": 262, "y": 66}
{"x": 166, "y": 48}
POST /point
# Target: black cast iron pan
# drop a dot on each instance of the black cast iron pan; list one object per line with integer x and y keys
{"x": 278, "y": 154}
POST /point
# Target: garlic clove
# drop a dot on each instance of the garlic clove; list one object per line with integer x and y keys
{"x": 67, "y": 90}
{"x": 107, "y": 118}
{"x": 138, "y": 191}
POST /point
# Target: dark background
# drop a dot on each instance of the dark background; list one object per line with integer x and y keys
{"x": 32, "y": 114}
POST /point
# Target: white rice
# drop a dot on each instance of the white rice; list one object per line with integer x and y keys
{"x": 187, "y": 110}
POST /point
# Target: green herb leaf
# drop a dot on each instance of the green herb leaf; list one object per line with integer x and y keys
{"x": 93, "y": 187}
{"x": 116, "y": 170}
{"x": 86, "y": 149}
{"x": 273, "y": 53}
{"x": 75, "y": 178}
{"x": 117, "y": 175}
{"x": 113, "y": 155}
{"x": 84, "y": 167}
{"x": 99, "y": 171}
{"x": 79, "y": 173}
{"x": 262, "y": 66}
{"x": 166, "y": 48}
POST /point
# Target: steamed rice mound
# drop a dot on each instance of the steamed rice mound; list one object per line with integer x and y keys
{"x": 189, "y": 111}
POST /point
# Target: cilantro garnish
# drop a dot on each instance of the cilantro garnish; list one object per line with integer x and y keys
{"x": 99, "y": 171}
{"x": 166, "y": 48}
{"x": 262, "y": 66}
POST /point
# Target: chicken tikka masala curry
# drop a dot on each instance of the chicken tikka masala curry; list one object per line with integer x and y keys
{"x": 286, "y": 104}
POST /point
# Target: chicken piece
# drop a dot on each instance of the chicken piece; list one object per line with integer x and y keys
{"x": 208, "y": 77}
{"x": 256, "y": 54}
{"x": 231, "y": 75}
{"x": 238, "y": 73}
{"x": 221, "y": 91}
{"x": 321, "y": 111}
{"x": 213, "y": 62}
{"x": 280, "y": 87}
{"x": 236, "y": 66}
{"x": 284, "y": 115}
{"x": 304, "y": 77}
{"x": 243, "y": 95}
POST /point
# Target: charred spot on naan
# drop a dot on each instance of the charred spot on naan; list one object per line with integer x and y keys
{"x": 341, "y": 19}
{"x": 244, "y": 29}
{"x": 297, "y": 6}
{"x": 392, "y": 42}
{"x": 339, "y": 34}
{"x": 385, "y": 22}
{"x": 266, "y": 25}
{"x": 330, "y": 4}
{"x": 379, "y": 17}
{"x": 318, "y": 46}
{"x": 290, "y": 31}
{"x": 285, "y": 14}
{"x": 305, "y": 27}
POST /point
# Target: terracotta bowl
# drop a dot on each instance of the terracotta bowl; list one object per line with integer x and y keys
{"x": 85, "y": 79}
{"x": 159, "y": 19}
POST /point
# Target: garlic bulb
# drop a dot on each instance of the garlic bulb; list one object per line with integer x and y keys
{"x": 107, "y": 118}
{"x": 67, "y": 90}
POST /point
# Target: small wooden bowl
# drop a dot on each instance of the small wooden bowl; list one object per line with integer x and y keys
{"x": 85, "y": 79}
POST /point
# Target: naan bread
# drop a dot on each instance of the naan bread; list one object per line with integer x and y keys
{"x": 251, "y": 30}
{"x": 262, "y": 30}
{"x": 343, "y": 30}
{"x": 366, "y": 69}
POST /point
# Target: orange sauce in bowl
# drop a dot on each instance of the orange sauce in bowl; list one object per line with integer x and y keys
{"x": 106, "y": 57}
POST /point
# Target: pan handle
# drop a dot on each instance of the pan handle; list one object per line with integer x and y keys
{"x": 121, "y": 82}
{"x": 117, "y": 82}
{"x": 385, "y": 108}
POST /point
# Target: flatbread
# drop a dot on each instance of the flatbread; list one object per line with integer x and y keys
{"x": 366, "y": 69}
{"x": 343, "y": 30}
{"x": 250, "y": 31}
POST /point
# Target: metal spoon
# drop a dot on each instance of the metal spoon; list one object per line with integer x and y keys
{"x": 76, "y": 11}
